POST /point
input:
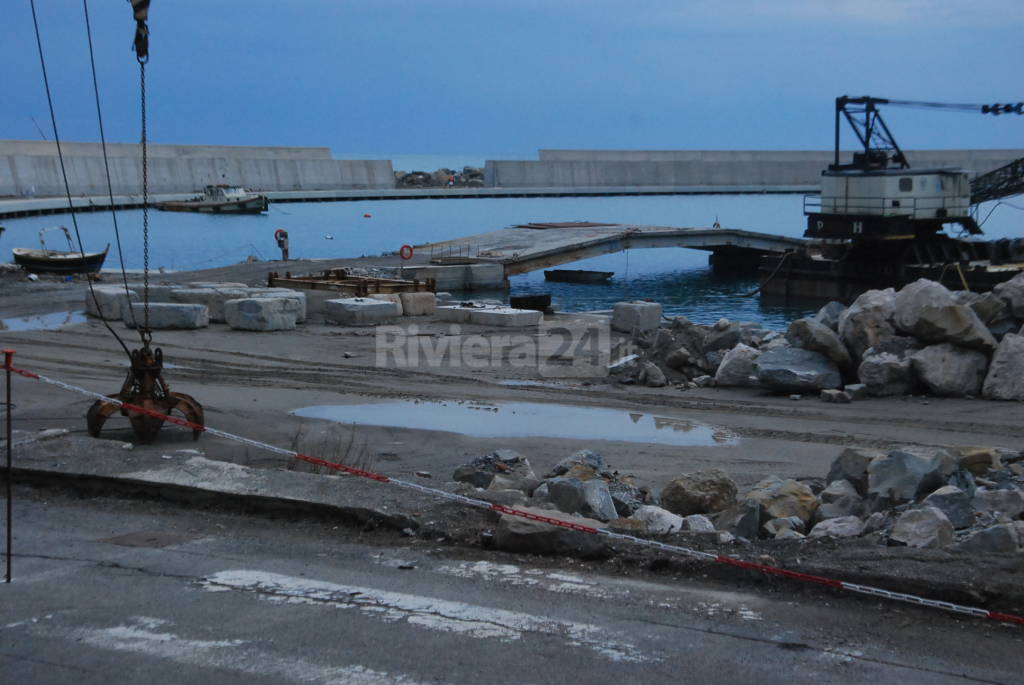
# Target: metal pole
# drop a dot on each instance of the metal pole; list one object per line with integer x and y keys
{"x": 8, "y": 363}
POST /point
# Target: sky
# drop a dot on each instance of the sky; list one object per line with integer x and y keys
{"x": 505, "y": 78}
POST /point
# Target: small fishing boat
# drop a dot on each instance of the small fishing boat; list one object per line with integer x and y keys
{"x": 47, "y": 261}
{"x": 578, "y": 276}
{"x": 219, "y": 199}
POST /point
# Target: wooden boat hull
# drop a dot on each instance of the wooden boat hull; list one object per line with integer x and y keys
{"x": 253, "y": 205}
{"x": 59, "y": 261}
{"x": 578, "y": 276}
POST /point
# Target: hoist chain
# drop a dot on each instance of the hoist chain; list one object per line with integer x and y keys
{"x": 146, "y": 334}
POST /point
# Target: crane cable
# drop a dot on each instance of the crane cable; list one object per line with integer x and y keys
{"x": 63, "y": 169}
{"x": 140, "y": 10}
{"x": 106, "y": 161}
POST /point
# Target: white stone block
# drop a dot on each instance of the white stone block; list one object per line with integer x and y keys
{"x": 110, "y": 300}
{"x": 505, "y": 317}
{"x": 453, "y": 314}
{"x": 170, "y": 315}
{"x": 645, "y": 316}
{"x": 359, "y": 311}
{"x": 212, "y": 298}
{"x": 389, "y": 297}
{"x": 214, "y": 284}
{"x": 261, "y": 314}
{"x": 418, "y": 304}
{"x": 297, "y": 297}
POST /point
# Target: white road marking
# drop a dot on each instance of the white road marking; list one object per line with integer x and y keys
{"x": 428, "y": 612}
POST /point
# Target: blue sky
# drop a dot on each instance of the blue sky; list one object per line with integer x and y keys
{"x": 507, "y": 77}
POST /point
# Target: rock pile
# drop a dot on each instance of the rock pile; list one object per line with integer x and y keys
{"x": 923, "y": 338}
{"x": 968, "y": 499}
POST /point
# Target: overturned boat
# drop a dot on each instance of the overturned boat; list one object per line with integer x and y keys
{"x": 220, "y": 199}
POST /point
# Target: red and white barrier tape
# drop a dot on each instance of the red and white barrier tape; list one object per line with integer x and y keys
{"x": 502, "y": 509}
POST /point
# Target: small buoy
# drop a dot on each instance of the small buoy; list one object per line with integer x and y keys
{"x": 366, "y": 216}
{"x": 328, "y": 237}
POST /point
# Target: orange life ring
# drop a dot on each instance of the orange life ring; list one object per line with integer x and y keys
{"x": 405, "y": 252}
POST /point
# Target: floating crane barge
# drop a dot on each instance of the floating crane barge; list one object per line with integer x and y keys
{"x": 878, "y": 223}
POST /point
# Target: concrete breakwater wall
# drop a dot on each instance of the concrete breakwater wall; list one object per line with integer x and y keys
{"x": 32, "y": 168}
{"x": 715, "y": 168}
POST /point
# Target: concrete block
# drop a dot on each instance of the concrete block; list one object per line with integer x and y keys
{"x": 418, "y": 304}
{"x": 157, "y": 293}
{"x": 645, "y": 316}
{"x": 297, "y": 299}
{"x": 170, "y": 315}
{"x": 214, "y": 284}
{"x": 110, "y": 301}
{"x": 505, "y": 317}
{"x": 453, "y": 314}
{"x": 212, "y": 298}
{"x": 389, "y": 297}
{"x": 261, "y": 313}
{"x": 359, "y": 311}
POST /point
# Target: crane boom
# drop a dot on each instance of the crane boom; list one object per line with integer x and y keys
{"x": 1002, "y": 182}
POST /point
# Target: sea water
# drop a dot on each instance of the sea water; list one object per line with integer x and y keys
{"x": 679, "y": 278}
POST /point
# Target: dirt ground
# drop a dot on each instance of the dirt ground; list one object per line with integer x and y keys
{"x": 250, "y": 382}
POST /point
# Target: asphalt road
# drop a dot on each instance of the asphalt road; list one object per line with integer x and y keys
{"x": 111, "y": 590}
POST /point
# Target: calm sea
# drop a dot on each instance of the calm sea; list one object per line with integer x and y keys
{"x": 678, "y": 278}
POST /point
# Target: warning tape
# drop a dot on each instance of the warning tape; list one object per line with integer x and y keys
{"x": 503, "y": 509}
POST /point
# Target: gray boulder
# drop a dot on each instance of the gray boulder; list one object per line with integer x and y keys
{"x": 738, "y": 367}
{"x": 926, "y": 310}
{"x": 593, "y": 460}
{"x": 658, "y": 520}
{"x": 567, "y": 494}
{"x": 698, "y": 523}
{"x": 776, "y": 526}
{"x": 868, "y": 321}
{"x": 652, "y": 376}
{"x": 954, "y": 503}
{"x": 900, "y": 477}
{"x": 839, "y": 499}
{"x": 950, "y": 371}
{"x": 797, "y": 370}
{"x": 927, "y": 527}
{"x": 886, "y": 368}
{"x": 1006, "y": 502}
{"x": 1003, "y": 538}
{"x": 699, "y": 493}
{"x": 808, "y": 334}
{"x": 724, "y": 335}
{"x": 840, "y": 527}
{"x": 852, "y": 465}
{"x": 782, "y": 498}
{"x": 1012, "y": 293}
{"x": 829, "y": 315}
{"x": 1005, "y": 379}
{"x": 597, "y": 500}
{"x": 518, "y": 534}
{"x": 989, "y": 307}
{"x": 482, "y": 470}
{"x": 744, "y": 519}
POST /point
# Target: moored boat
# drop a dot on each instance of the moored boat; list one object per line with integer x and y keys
{"x": 219, "y": 199}
{"x": 47, "y": 261}
{"x": 578, "y": 276}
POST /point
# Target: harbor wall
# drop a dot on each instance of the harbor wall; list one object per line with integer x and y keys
{"x": 716, "y": 168}
{"x": 32, "y": 168}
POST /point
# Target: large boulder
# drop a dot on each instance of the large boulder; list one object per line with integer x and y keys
{"x": 839, "y": 499}
{"x": 886, "y": 368}
{"x": 900, "y": 477}
{"x": 738, "y": 367}
{"x": 926, "y": 527}
{"x": 954, "y": 503}
{"x": 1005, "y": 379}
{"x": 926, "y": 310}
{"x": 699, "y": 493}
{"x": 852, "y": 465}
{"x": 781, "y": 498}
{"x": 724, "y": 335}
{"x": 868, "y": 321}
{"x": 1003, "y": 538}
{"x": 829, "y": 315}
{"x": 817, "y": 337}
{"x": 839, "y": 527}
{"x": 989, "y": 307}
{"x": 1005, "y": 502}
{"x": 1012, "y": 293}
{"x": 591, "y": 460}
{"x": 658, "y": 520}
{"x": 950, "y": 371}
{"x": 518, "y": 534}
{"x": 790, "y": 369}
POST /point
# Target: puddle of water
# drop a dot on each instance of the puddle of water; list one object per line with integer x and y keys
{"x": 42, "y": 322}
{"x": 525, "y": 419}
